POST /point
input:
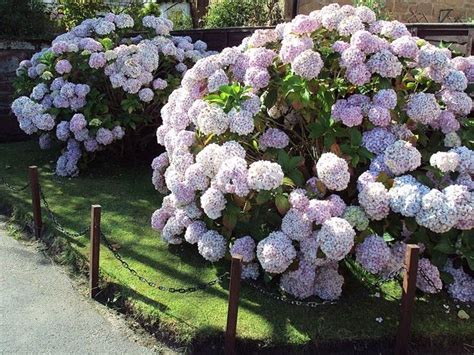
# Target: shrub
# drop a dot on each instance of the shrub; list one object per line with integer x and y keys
{"x": 70, "y": 13}
{"x": 237, "y": 13}
{"x": 99, "y": 82}
{"x": 333, "y": 137}
{"x": 24, "y": 18}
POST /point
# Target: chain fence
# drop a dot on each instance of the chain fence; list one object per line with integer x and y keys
{"x": 186, "y": 290}
{"x": 58, "y": 226}
{"x": 152, "y": 284}
{"x": 11, "y": 187}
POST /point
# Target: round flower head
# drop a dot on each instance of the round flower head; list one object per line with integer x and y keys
{"x": 212, "y": 246}
{"x": 194, "y": 231}
{"x": 374, "y": 199}
{"x": 428, "y": 279}
{"x": 328, "y": 283}
{"x": 373, "y": 254}
{"x": 308, "y": 64}
{"x": 336, "y": 238}
{"x": 298, "y": 199}
{"x": 273, "y": 138}
{"x": 406, "y": 194}
{"x": 63, "y": 66}
{"x": 401, "y": 157}
{"x": 245, "y": 247}
{"x": 423, "y": 108}
{"x": 213, "y": 202}
{"x": 296, "y": 225}
{"x": 250, "y": 271}
{"x": 445, "y": 161}
{"x": 299, "y": 283}
{"x": 275, "y": 253}
{"x": 318, "y": 211}
{"x": 377, "y": 140}
{"x": 264, "y": 175}
{"x": 462, "y": 288}
{"x": 466, "y": 159}
{"x": 463, "y": 201}
{"x": 437, "y": 213}
{"x": 333, "y": 171}
{"x": 356, "y": 217}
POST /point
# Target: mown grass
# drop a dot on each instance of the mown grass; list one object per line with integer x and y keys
{"x": 128, "y": 200}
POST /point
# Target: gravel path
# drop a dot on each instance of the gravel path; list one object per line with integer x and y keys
{"x": 41, "y": 311}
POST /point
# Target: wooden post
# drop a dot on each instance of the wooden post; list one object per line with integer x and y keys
{"x": 35, "y": 199}
{"x": 408, "y": 299}
{"x": 234, "y": 292}
{"x": 95, "y": 250}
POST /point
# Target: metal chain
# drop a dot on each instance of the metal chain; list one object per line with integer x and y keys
{"x": 143, "y": 279}
{"x": 59, "y": 227}
{"x": 312, "y": 304}
{"x": 428, "y": 280}
{"x": 391, "y": 276}
{"x": 13, "y": 188}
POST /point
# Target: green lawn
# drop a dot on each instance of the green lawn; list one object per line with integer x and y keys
{"x": 128, "y": 200}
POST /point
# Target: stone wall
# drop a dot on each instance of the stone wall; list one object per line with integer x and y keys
{"x": 406, "y": 10}
{"x": 11, "y": 53}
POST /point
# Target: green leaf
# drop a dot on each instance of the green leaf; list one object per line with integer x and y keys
{"x": 297, "y": 177}
{"x": 356, "y": 137}
{"x": 316, "y": 130}
{"x": 282, "y": 204}
{"x": 270, "y": 97}
{"x": 288, "y": 182}
{"x": 96, "y": 122}
{"x": 444, "y": 246}
{"x": 263, "y": 197}
{"x": 107, "y": 43}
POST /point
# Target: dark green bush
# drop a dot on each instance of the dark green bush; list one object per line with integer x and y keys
{"x": 237, "y": 13}
{"x": 24, "y": 18}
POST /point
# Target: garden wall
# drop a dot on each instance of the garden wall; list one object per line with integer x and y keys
{"x": 12, "y": 52}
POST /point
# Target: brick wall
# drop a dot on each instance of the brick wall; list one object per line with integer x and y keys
{"x": 11, "y": 53}
{"x": 407, "y": 10}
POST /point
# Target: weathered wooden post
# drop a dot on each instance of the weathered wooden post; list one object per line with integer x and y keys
{"x": 94, "y": 250}
{"x": 35, "y": 199}
{"x": 408, "y": 299}
{"x": 234, "y": 292}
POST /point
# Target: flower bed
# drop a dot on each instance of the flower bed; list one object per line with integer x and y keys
{"x": 334, "y": 136}
{"x": 99, "y": 82}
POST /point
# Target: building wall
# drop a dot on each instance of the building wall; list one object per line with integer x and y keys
{"x": 407, "y": 10}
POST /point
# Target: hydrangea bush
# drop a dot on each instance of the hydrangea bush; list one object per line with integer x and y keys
{"x": 100, "y": 81}
{"x": 330, "y": 137}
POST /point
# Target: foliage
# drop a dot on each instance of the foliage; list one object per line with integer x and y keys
{"x": 96, "y": 84}
{"x": 180, "y": 19}
{"x": 377, "y": 6}
{"x": 70, "y": 13}
{"x": 237, "y": 13}
{"x": 24, "y": 18}
{"x": 333, "y": 136}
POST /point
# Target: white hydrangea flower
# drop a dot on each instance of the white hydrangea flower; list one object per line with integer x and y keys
{"x": 445, "y": 161}
{"x": 212, "y": 246}
{"x": 333, "y": 171}
{"x": 336, "y": 238}
{"x": 276, "y": 252}
{"x": 265, "y": 175}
